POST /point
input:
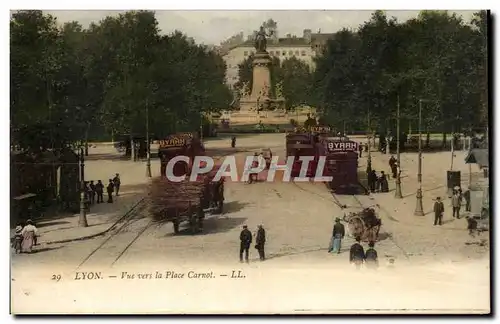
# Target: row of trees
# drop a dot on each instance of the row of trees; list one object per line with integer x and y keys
{"x": 69, "y": 83}
{"x": 436, "y": 58}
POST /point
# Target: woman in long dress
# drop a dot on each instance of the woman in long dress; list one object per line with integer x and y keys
{"x": 29, "y": 234}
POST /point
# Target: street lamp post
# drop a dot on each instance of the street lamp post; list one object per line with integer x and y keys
{"x": 419, "y": 209}
{"x": 148, "y": 153}
{"x": 398, "y": 193}
{"x": 82, "y": 220}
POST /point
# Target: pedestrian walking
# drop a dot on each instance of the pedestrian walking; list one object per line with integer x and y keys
{"x": 99, "y": 189}
{"x": 438, "y": 211}
{"x": 466, "y": 196}
{"x": 360, "y": 149}
{"x": 233, "y": 141}
{"x": 17, "y": 240}
{"x": 29, "y": 233}
{"x": 372, "y": 180}
{"x": 471, "y": 225}
{"x": 393, "y": 166}
{"x": 371, "y": 256}
{"x": 245, "y": 241}
{"x": 357, "y": 253}
{"x": 337, "y": 237}
{"x": 384, "y": 184}
{"x": 456, "y": 203}
{"x": 117, "y": 182}
{"x": 92, "y": 192}
{"x": 110, "y": 188}
{"x": 260, "y": 241}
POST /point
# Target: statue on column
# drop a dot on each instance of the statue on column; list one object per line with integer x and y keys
{"x": 261, "y": 40}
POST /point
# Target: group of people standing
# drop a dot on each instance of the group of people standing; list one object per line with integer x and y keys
{"x": 96, "y": 190}
{"x": 357, "y": 254}
{"x": 457, "y": 200}
{"x": 377, "y": 183}
{"x": 246, "y": 241}
{"x": 25, "y": 237}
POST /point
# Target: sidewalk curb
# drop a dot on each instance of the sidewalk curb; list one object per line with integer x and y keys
{"x": 88, "y": 237}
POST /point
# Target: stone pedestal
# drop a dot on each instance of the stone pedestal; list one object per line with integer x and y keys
{"x": 256, "y": 106}
{"x": 261, "y": 86}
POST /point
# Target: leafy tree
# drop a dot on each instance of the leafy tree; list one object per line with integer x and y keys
{"x": 436, "y": 57}
{"x": 297, "y": 81}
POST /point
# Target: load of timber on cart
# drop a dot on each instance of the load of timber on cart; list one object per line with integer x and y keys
{"x": 186, "y": 201}
{"x": 365, "y": 224}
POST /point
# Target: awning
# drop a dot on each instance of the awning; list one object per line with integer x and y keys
{"x": 478, "y": 156}
{"x": 28, "y": 195}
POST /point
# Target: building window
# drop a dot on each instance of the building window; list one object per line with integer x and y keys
{"x": 297, "y": 53}
{"x": 245, "y": 53}
{"x": 284, "y": 53}
{"x": 303, "y": 53}
{"x": 277, "y": 53}
{"x": 290, "y": 53}
{"x": 271, "y": 52}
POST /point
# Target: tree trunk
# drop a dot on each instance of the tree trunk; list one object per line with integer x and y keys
{"x": 132, "y": 149}
{"x": 428, "y": 140}
{"x": 443, "y": 143}
{"x": 87, "y": 142}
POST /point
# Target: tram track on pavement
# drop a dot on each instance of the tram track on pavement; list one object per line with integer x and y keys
{"x": 354, "y": 202}
{"x": 115, "y": 246}
{"x": 112, "y": 249}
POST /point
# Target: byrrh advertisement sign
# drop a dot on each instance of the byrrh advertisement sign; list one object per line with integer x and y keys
{"x": 342, "y": 146}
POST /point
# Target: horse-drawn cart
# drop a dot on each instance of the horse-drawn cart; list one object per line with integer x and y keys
{"x": 365, "y": 224}
{"x": 186, "y": 201}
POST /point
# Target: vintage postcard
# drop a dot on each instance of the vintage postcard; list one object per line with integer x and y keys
{"x": 249, "y": 162}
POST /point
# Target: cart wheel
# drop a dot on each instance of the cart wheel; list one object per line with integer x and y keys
{"x": 194, "y": 225}
{"x": 176, "y": 227}
{"x": 220, "y": 207}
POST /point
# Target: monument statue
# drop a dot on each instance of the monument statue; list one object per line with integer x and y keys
{"x": 261, "y": 40}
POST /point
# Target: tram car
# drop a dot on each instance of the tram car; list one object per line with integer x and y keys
{"x": 300, "y": 143}
{"x": 340, "y": 153}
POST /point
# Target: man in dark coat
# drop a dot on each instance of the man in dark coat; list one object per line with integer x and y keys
{"x": 233, "y": 141}
{"x": 384, "y": 184}
{"x": 372, "y": 180}
{"x": 110, "y": 188}
{"x": 245, "y": 241}
{"x": 260, "y": 240}
{"x": 337, "y": 236}
{"x": 371, "y": 256}
{"x": 117, "y": 182}
{"x": 360, "y": 149}
{"x": 393, "y": 165}
{"x": 467, "y": 200}
{"x": 92, "y": 192}
{"x": 357, "y": 253}
{"x": 99, "y": 189}
{"x": 438, "y": 211}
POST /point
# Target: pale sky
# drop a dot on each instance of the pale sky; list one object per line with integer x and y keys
{"x": 212, "y": 27}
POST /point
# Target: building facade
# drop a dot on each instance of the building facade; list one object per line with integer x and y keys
{"x": 304, "y": 48}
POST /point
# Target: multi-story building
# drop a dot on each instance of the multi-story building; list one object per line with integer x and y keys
{"x": 304, "y": 48}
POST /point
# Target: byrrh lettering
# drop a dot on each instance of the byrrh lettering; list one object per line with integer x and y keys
{"x": 172, "y": 142}
{"x": 342, "y": 146}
